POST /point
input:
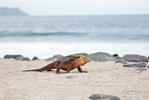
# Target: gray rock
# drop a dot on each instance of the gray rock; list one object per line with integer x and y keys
{"x": 103, "y": 97}
{"x": 26, "y": 59}
{"x": 79, "y": 54}
{"x": 35, "y": 58}
{"x": 16, "y": 57}
{"x": 50, "y": 59}
{"x": 140, "y": 65}
{"x": 135, "y": 58}
{"x": 101, "y": 57}
{"x": 57, "y": 56}
{"x": 19, "y": 58}
{"x": 147, "y": 66}
{"x": 12, "y": 56}
{"x": 121, "y": 61}
{"x": 22, "y": 58}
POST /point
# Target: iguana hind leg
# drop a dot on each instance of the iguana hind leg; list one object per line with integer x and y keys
{"x": 80, "y": 70}
{"x": 58, "y": 70}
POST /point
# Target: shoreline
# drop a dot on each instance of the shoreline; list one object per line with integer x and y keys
{"x": 46, "y": 49}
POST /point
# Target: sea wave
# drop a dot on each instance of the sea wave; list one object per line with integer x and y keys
{"x": 26, "y": 34}
{"x": 73, "y": 36}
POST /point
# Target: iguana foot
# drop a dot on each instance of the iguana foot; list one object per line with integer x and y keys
{"x": 59, "y": 73}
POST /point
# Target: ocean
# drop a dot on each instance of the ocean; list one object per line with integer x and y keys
{"x": 45, "y": 36}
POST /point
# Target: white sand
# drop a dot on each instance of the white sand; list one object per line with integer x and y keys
{"x": 102, "y": 77}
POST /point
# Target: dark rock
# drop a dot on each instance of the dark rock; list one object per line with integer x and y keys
{"x": 115, "y": 55}
{"x": 101, "y": 56}
{"x": 22, "y": 58}
{"x": 12, "y": 56}
{"x": 16, "y": 57}
{"x": 140, "y": 65}
{"x": 121, "y": 61}
{"x": 79, "y": 54}
{"x": 19, "y": 58}
{"x": 103, "y": 97}
{"x": 35, "y": 58}
{"x": 26, "y": 59}
{"x": 135, "y": 58}
{"x": 57, "y": 56}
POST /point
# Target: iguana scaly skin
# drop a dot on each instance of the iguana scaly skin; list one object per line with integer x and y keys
{"x": 67, "y": 63}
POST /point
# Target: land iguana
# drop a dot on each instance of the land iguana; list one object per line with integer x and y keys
{"x": 67, "y": 63}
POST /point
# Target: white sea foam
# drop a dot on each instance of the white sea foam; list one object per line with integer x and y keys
{"x": 47, "y": 49}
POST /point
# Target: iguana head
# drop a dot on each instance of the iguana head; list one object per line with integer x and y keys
{"x": 83, "y": 60}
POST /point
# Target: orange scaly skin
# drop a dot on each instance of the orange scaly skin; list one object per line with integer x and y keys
{"x": 67, "y": 63}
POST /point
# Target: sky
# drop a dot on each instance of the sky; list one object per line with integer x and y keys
{"x": 79, "y": 7}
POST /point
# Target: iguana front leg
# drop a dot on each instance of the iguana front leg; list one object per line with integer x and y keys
{"x": 58, "y": 70}
{"x": 80, "y": 70}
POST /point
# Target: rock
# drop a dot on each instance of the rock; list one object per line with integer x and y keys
{"x": 115, "y": 55}
{"x": 101, "y": 56}
{"x": 57, "y": 56}
{"x": 35, "y": 58}
{"x": 79, "y": 54}
{"x": 135, "y": 58}
{"x": 54, "y": 57}
{"x": 19, "y": 58}
{"x": 22, "y": 58}
{"x": 121, "y": 61}
{"x": 147, "y": 66}
{"x": 26, "y": 59}
{"x": 16, "y": 57}
{"x": 50, "y": 59}
{"x": 140, "y": 65}
{"x": 103, "y": 97}
{"x": 12, "y": 56}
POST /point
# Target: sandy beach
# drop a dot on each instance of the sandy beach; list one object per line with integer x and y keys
{"x": 102, "y": 78}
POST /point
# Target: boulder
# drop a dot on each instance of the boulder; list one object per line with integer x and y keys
{"x": 135, "y": 58}
{"x": 35, "y": 58}
{"x": 16, "y": 57}
{"x": 140, "y": 65}
{"x": 57, "y": 56}
{"x": 121, "y": 61}
{"x": 26, "y": 59}
{"x": 147, "y": 66}
{"x": 101, "y": 57}
{"x": 50, "y": 59}
{"x": 12, "y": 56}
{"x": 103, "y": 97}
{"x": 115, "y": 55}
{"x": 22, "y": 58}
{"x": 79, "y": 54}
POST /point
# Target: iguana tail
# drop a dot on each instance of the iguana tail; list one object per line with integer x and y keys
{"x": 38, "y": 70}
